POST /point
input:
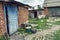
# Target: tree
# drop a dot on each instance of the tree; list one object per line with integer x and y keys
{"x": 33, "y": 8}
{"x": 39, "y": 7}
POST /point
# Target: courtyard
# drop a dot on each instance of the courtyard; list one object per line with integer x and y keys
{"x": 49, "y": 29}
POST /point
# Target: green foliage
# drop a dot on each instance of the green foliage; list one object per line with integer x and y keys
{"x": 57, "y": 22}
{"x": 21, "y": 30}
{"x": 41, "y": 25}
{"x": 33, "y": 21}
{"x": 2, "y": 38}
{"x": 53, "y": 36}
{"x": 57, "y": 35}
{"x": 39, "y": 7}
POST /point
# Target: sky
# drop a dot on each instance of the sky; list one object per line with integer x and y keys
{"x": 32, "y": 2}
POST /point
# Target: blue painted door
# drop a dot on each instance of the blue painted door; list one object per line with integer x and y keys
{"x": 12, "y": 18}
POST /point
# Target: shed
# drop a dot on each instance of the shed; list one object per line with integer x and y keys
{"x": 12, "y": 15}
{"x": 35, "y": 13}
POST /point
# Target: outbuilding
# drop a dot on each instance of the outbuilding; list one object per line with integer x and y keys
{"x": 52, "y": 8}
{"x": 12, "y": 15}
{"x": 35, "y": 13}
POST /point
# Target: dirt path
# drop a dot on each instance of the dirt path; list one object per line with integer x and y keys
{"x": 44, "y": 32}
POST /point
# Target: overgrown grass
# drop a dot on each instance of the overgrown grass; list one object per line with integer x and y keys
{"x": 57, "y": 35}
{"x": 49, "y": 37}
{"x": 53, "y": 36}
{"x": 41, "y": 25}
{"x": 22, "y": 30}
{"x": 57, "y": 22}
{"x": 2, "y": 38}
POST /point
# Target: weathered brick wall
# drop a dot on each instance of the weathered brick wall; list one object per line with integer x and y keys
{"x": 23, "y": 15}
{"x": 2, "y": 23}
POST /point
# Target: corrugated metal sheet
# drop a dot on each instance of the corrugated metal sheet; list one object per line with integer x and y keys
{"x": 47, "y": 1}
{"x": 51, "y": 3}
{"x": 54, "y": 11}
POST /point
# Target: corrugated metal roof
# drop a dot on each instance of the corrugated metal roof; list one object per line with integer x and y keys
{"x": 51, "y": 3}
{"x": 16, "y": 2}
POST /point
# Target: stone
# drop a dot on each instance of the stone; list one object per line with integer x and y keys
{"x": 33, "y": 30}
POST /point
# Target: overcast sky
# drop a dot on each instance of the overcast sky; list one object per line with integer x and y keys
{"x": 32, "y": 2}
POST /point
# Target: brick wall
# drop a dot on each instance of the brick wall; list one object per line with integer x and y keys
{"x": 23, "y": 15}
{"x": 2, "y": 23}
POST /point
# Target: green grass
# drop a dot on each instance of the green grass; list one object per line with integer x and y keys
{"x": 41, "y": 25}
{"x": 57, "y": 22}
{"x": 53, "y": 36}
{"x": 57, "y": 35}
{"x": 2, "y": 38}
{"x": 22, "y": 30}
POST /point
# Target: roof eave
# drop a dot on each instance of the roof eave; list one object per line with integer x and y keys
{"x": 18, "y": 3}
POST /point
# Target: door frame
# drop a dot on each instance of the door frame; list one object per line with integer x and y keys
{"x": 6, "y": 25}
{"x": 35, "y": 14}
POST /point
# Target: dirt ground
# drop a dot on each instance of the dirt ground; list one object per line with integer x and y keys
{"x": 43, "y": 33}
{"x": 40, "y": 34}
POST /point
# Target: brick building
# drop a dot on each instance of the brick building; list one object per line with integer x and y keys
{"x": 12, "y": 15}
